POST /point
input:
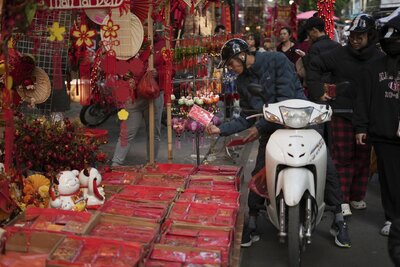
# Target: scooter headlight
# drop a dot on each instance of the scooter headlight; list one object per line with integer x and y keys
{"x": 296, "y": 117}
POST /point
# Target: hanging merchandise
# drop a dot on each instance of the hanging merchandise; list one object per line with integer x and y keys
{"x": 39, "y": 90}
{"x": 326, "y": 12}
{"x": 84, "y": 39}
{"x": 140, "y": 8}
{"x": 127, "y": 29}
{"x": 148, "y": 87}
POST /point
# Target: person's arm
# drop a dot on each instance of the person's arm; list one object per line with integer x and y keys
{"x": 287, "y": 83}
{"x": 362, "y": 106}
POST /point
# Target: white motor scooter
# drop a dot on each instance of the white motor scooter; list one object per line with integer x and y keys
{"x": 296, "y": 171}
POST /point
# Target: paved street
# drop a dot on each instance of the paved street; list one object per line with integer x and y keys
{"x": 369, "y": 247}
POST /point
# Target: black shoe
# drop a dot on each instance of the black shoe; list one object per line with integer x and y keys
{"x": 340, "y": 231}
{"x": 249, "y": 237}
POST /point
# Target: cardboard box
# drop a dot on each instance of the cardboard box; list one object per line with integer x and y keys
{"x": 169, "y": 180}
{"x": 51, "y": 220}
{"x": 82, "y": 251}
{"x": 123, "y": 228}
{"x": 205, "y": 214}
{"x": 112, "y": 189}
{"x": 221, "y": 198}
{"x": 201, "y": 236}
{"x": 27, "y": 248}
{"x": 151, "y": 211}
{"x": 169, "y": 168}
{"x": 148, "y": 193}
{"x": 185, "y": 255}
{"x": 214, "y": 182}
{"x": 27, "y": 241}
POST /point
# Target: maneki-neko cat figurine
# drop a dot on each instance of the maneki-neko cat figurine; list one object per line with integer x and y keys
{"x": 68, "y": 195}
{"x": 90, "y": 180}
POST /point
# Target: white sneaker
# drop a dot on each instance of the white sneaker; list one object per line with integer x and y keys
{"x": 346, "y": 211}
{"x": 358, "y": 205}
{"x": 386, "y": 228}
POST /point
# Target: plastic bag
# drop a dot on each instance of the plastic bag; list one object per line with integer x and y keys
{"x": 148, "y": 87}
{"x": 258, "y": 183}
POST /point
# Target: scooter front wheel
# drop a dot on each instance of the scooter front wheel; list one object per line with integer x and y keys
{"x": 295, "y": 236}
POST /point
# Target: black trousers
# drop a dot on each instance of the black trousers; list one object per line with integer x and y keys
{"x": 333, "y": 193}
{"x": 388, "y": 158}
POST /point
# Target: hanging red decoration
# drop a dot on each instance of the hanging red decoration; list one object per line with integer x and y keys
{"x": 84, "y": 37}
{"x": 124, "y": 7}
{"x": 293, "y": 19}
{"x": 110, "y": 29}
{"x": 326, "y": 12}
{"x": 168, "y": 56}
{"x": 140, "y": 8}
{"x": 57, "y": 69}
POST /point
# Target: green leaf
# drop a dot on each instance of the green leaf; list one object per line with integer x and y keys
{"x": 30, "y": 11}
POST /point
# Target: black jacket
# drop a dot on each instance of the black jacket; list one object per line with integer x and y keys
{"x": 377, "y": 108}
{"x": 322, "y": 45}
{"x": 344, "y": 65}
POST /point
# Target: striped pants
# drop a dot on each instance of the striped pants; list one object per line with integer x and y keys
{"x": 352, "y": 161}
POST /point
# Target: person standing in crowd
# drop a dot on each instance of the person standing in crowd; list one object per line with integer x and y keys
{"x": 278, "y": 79}
{"x": 320, "y": 42}
{"x": 138, "y": 109}
{"x": 344, "y": 64}
{"x": 219, "y": 29}
{"x": 377, "y": 117}
{"x": 287, "y": 46}
{"x": 253, "y": 40}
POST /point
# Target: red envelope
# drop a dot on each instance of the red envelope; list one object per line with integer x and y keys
{"x": 200, "y": 115}
{"x": 236, "y": 142}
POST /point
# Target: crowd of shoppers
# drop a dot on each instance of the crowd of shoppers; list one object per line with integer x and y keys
{"x": 335, "y": 75}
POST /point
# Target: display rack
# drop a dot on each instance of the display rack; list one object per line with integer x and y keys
{"x": 36, "y": 42}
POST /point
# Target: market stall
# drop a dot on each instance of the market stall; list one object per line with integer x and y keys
{"x": 59, "y": 205}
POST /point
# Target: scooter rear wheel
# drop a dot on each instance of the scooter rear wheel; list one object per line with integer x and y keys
{"x": 295, "y": 236}
{"x": 93, "y": 115}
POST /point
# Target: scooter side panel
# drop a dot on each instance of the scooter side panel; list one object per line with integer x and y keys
{"x": 294, "y": 182}
{"x": 294, "y": 148}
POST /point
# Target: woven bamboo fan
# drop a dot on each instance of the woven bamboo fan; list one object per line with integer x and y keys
{"x": 130, "y": 34}
{"x": 41, "y": 91}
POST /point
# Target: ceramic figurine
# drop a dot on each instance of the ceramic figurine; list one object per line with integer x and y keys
{"x": 69, "y": 195}
{"x": 90, "y": 180}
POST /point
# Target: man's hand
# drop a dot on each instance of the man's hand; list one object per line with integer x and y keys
{"x": 252, "y": 136}
{"x": 325, "y": 97}
{"x": 360, "y": 138}
{"x": 212, "y": 129}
